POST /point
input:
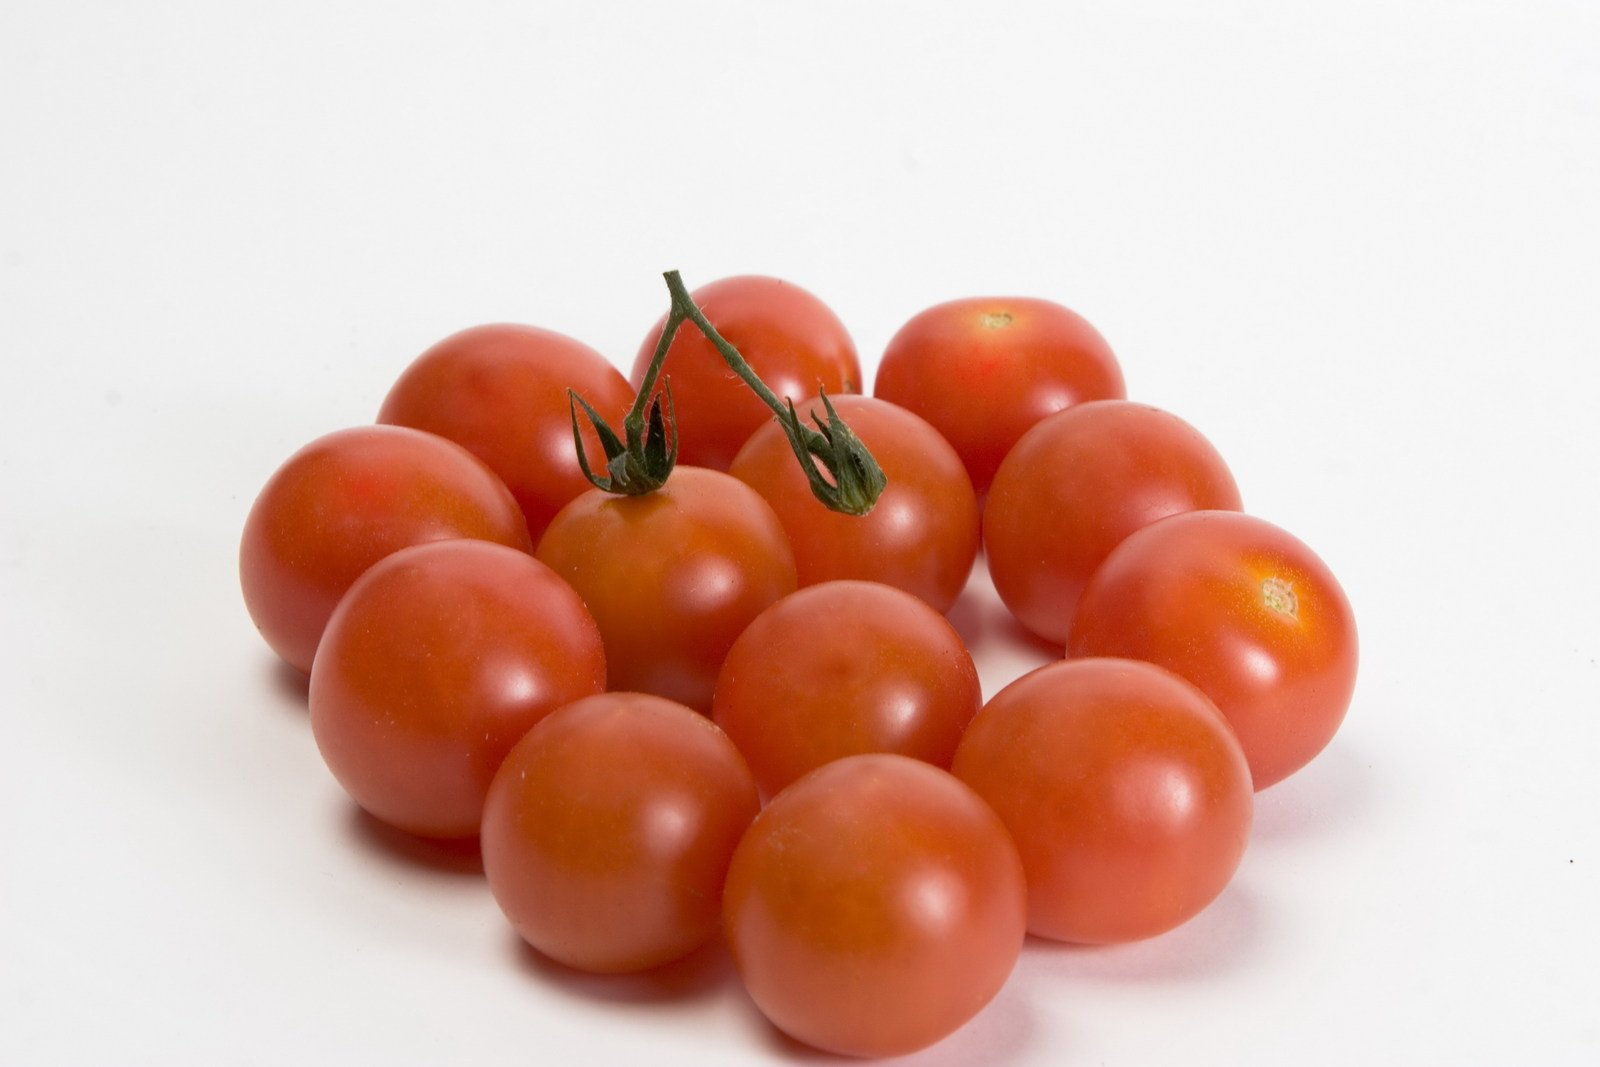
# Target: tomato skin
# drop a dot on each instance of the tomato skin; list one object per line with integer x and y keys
{"x": 345, "y": 501}
{"x": 1075, "y": 486}
{"x": 1126, "y": 794}
{"x": 500, "y": 391}
{"x": 921, "y": 536}
{"x": 874, "y": 906}
{"x": 792, "y": 340}
{"x": 436, "y": 662}
{"x": 844, "y": 668}
{"x": 1246, "y": 612}
{"x": 672, "y": 577}
{"x": 984, "y": 369}
{"x": 609, "y": 829}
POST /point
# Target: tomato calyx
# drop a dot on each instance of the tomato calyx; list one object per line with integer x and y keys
{"x": 642, "y": 458}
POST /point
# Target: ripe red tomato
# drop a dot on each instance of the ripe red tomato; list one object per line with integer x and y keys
{"x": 1243, "y": 610}
{"x": 875, "y": 906}
{"x": 789, "y": 337}
{"x": 1075, "y": 486}
{"x": 501, "y": 393}
{"x": 985, "y": 369}
{"x": 347, "y": 500}
{"x": 609, "y": 829}
{"x": 436, "y": 662}
{"x": 922, "y": 535}
{"x": 1124, "y": 790}
{"x": 844, "y": 668}
{"x": 672, "y": 577}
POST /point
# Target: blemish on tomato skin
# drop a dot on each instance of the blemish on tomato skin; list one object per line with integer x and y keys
{"x": 1279, "y": 596}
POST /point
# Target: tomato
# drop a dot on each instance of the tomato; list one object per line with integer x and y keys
{"x": 501, "y": 392}
{"x": 672, "y": 577}
{"x": 1075, "y": 486}
{"x": 921, "y": 536}
{"x": 789, "y": 337}
{"x": 347, "y": 500}
{"x": 436, "y": 662}
{"x": 985, "y": 369}
{"x": 1125, "y": 792}
{"x": 609, "y": 829}
{"x": 875, "y": 906}
{"x": 1243, "y": 610}
{"x": 844, "y": 668}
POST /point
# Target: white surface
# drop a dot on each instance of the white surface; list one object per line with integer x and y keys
{"x": 1356, "y": 244}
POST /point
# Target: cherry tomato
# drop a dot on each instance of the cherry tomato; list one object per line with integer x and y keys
{"x": 1125, "y": 792}
{"x": 789, "y": 337}
{"x": 1243, "y": 610}
{"x": 985, "y": 369}
{"x": 844, "y": 668}
{"x": 347, "y": 500}
{"x": 1075, "y": 486}
{"x": 501, "y": 392}
{"x": 609, "y": 829}
{"x": 672, "y": 577}
{"x": 875, "y": 906}
{"x": 921, "y": 536}
{"x": 436, "y": 662}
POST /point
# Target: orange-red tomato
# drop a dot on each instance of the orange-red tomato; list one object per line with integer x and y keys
{"x": 344, "y": 502}
{"x": 921, "y": 536}
{"x": 1124, "y": 790}
{"x": 875, "y": 906}
{"x": 844, "y": 668}
{"x": 672, "y": 577}
{"x": 789, "y": 337}
{"x": 1243, "y": 610}
{"x": 436, "y": 662}
{"x": 985, "y": 369}
{"x": 609, "y": 829}
{"x": 1075, "y": 486}
{"x": 501, "y": 392}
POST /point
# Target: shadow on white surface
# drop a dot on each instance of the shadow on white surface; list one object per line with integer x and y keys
{"x": 702, "y": 973}
{"x": 1328, "y": 795}
{"x": 378, "y": 840}
{"x": 288, "y": 684}
{"x": 1214, "y": 942}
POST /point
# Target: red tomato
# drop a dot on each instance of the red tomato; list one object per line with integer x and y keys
{"x": 875, "y": 906}
{"x": 672, "y": 577}
{"x": 922, "y": 535}
{"x": 1075, "y": 486}
{"x": 501, "y": 392}
{"x": 844, "y": 668}
{"x": 985, "y": 369}
{"x": 789, "y": 337}
{"x": 609, "y": 829}
{"x": 1244, "y": 611}
{"x": 1124, "y": 790}
{"x": 436, "y": 662}
{"x": 344, "y": 502}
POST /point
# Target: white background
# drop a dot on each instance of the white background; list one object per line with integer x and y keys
{"x": 1356, "y": 244}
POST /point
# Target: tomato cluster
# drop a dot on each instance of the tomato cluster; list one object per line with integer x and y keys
{"x": 677, "y": 701}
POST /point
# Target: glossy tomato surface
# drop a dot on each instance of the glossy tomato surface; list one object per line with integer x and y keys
{"x": 436, "y": 662}
{"x": 921, "y": 536}
{"x": 672, "y": 577}
{"x": 500, "y": 391}
{"x": 344, "y": 502}
{"x": 609, "y": 829}
{"x": 844, "y": 668}
{"x": 875, "y": 906}
{"x": 1124, "y": 790}
{"x": 1075, "y": 486}
{"x": 790, "y": 339}
{"x": 1245, "y": 611}
{"x": 985, "y": 369}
